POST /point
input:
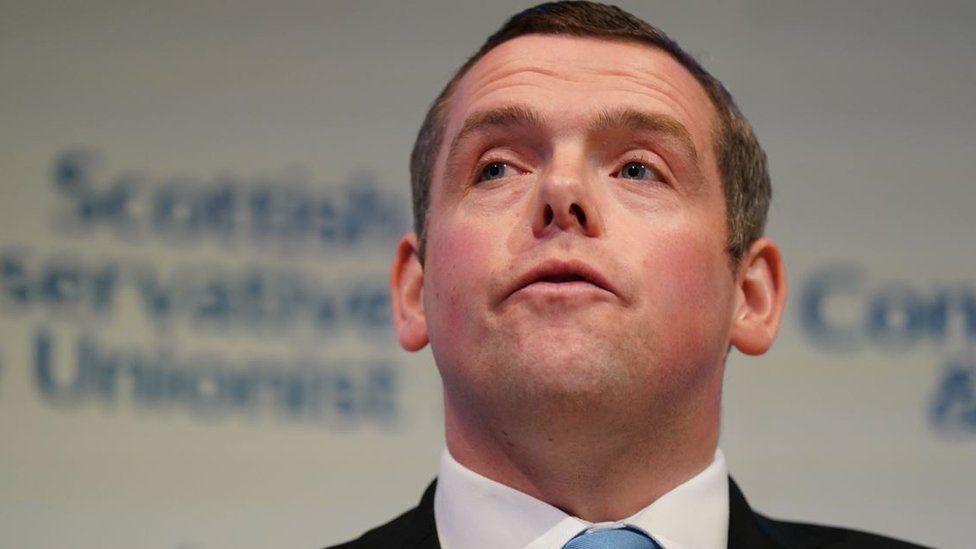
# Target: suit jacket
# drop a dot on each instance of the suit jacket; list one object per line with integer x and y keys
{"x": 415, "y": 529}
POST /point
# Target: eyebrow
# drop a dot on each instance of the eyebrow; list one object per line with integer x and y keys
{"x": 494, "y": 119}
{"x": 625, "y": 118}
{"x": 638, "y": 121}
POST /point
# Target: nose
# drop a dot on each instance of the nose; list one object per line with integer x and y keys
{"x": 566, "y": 202}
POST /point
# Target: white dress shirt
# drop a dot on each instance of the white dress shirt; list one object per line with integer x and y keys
{"x": 474, "y": 512}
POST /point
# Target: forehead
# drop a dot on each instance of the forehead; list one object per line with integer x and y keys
{"x": 572, "y": 80}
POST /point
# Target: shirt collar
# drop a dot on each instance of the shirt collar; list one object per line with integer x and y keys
{"x": 474, "y": 512}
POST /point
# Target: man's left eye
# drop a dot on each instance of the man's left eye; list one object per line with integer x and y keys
{"x": 636, "y": 171}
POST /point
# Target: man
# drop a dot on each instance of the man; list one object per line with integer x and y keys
{"x": 589, "y": 205}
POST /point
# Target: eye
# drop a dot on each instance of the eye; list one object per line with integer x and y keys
{"x": 496, "y": 170}
{"x": 637, "y": 171}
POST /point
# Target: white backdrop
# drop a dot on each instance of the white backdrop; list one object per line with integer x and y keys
{"x": 199, "y": 201}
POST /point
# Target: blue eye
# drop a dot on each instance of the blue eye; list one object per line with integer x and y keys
{"x": 635, "y": 170}
{"x": 495, "y": 170}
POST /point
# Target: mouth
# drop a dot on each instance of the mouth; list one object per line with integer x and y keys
{"x": 558, "y": 279}
{"x": 563, "y": 277}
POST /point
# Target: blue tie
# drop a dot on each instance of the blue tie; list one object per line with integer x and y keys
{"x": 623, "y": 537}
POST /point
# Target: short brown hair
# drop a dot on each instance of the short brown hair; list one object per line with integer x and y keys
{"x": 741, "y": 160}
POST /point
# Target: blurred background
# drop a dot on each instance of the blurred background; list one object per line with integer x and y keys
{"x": 199, "y": 203}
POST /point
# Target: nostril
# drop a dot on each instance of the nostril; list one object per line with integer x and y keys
{"x": 548, "y": 214}
{"x": 579, "y": 213}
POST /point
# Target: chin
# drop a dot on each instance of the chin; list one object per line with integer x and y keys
{"x": 578, "y": 368}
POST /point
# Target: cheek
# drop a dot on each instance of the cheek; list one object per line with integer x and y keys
{"x": 688, "y": 315}
{"x": 692, "y": 284}
{"x": 456, "y": 268}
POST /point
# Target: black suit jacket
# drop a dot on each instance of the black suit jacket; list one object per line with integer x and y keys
{"x": 415, "y": 529}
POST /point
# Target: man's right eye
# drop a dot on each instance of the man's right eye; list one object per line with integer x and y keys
{"x": 496, "y": 170}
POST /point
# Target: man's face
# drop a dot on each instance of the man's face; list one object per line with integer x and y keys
{"x": 576, "y": 250}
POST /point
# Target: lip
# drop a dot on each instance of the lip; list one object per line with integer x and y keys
{"x": 566, "y": 275}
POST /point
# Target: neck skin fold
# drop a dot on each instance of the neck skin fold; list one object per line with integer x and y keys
{"x": 593, "y": 468}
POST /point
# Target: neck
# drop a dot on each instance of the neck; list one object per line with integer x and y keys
{"x": 595, "y": 470}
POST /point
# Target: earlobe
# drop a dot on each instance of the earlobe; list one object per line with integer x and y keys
{"x": 407, "y": 293}
{"x": 761, "y": 297}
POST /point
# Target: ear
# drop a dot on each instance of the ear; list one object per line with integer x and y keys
{"x": 761, "y": 279}
{"x": 407, "y": 294}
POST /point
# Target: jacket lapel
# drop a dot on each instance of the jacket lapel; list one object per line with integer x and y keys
{"x": 745, "y": 531}
{"x": 421, "y": 532}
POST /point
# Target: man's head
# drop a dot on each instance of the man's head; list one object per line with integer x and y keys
{"x": 575, "y": 283}
{"x": 742, "y": 162}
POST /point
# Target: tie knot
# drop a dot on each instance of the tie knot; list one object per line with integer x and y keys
{"x": 612, "y": 537}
